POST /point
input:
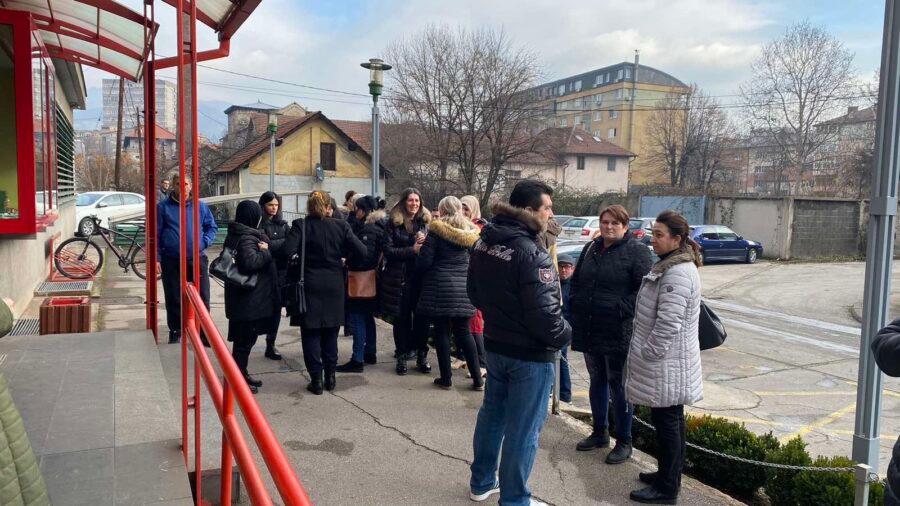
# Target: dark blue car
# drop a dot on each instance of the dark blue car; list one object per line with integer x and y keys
{"x": 718, "y": 242}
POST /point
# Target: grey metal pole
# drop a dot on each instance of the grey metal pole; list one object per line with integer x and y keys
{"x": 879, "y": 254}
{"x": 272, "y": 163}
{"x": 376, "y": 144}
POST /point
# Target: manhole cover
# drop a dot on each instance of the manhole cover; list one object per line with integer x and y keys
{"x": 119, "y": 301}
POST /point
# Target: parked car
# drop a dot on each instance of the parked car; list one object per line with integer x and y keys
{"x": 104, "y": 205}
{"x": 718, "y": 242}
{"x": 561, "y": 219}
{"x": 574, "y": 248}
{"x": 641, "y": 228}
{"x": 580, "y": 227}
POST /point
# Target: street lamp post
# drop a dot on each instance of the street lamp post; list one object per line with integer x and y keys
{"x": 376, "y": 83}
{"x": 273, "y": 128}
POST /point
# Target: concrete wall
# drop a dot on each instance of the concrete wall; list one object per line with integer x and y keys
{"x": 30, "y": 255}
{"x": 766, "y": 221}
{"x": 825, "y": 228}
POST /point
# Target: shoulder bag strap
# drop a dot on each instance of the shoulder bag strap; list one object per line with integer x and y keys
{"x": 303, "y": 254}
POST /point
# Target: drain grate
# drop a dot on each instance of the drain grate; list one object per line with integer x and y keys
{"x": 64, "y": 287}
{"x": 26, "y": 327}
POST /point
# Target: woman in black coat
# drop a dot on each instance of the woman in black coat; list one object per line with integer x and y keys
{"x": 250, "y": 311}
{"x": 328, "y": 241}
{"x": 368, "y": 225}
{"x": 886, "y": 347}
{"x": 276, "y": 229}
{"x": 603, "y": 290}
{"x": 443, "y": 265}
{"x": 399, "y": 286}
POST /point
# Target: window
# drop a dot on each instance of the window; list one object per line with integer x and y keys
{"x": 563, "y": 122}
{"x": 608, "y": 77}
{"x": 598, "y": 99}
{"x": 726, "y": 234}
{"x": 131, "y": 200}
{"x": 611, "y": 164}
{"x": 580, "y": 165}
{"x": 613, "y": 114}
{"x": 111, "y": 201}
{"x": 611, "y": 133}
{"x": 619, "y": 75}
{"x": 65, "y": 158}
{"x": 594, "y": 223}
{"x": 627, "y": 73}
{"x": 598, "y": 80}
{"x": 578, "y": 85}
{"x": 577, "y": 120}
{"x": 709, "y": 235}
{"x": 620, "y": 93}
{"x": 598, "y": 115}
{"x": 576, "y": 104}
{"x": 327, "y": 153}
{"x": 597, "y": 134}
{"x": 576, "y": 223}
{"x": 561, "y": 89}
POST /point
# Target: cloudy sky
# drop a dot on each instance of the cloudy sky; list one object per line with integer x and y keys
{"x": 320, "y": 44}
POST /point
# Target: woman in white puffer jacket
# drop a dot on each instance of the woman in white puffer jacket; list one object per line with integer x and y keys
{"x": 663, "y": 367}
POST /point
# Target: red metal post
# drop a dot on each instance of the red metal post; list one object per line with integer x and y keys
{"x": 182, "y": 223}
{"x": 150, "y": 184}
{"x": 198, "y": 460}
{"x": 227, "y": 411}
{"x": 195, "y": 156}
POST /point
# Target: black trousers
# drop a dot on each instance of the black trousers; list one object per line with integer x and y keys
{"x": 479, "y": 346}
{"x": 240, "y": 351}
{"x": 320, "y": 349}
{"x": 410, "y": 329}
{"x": 172, "y": 288}
{"x": 459, "y": 327}
{"x": 670, "y": 440}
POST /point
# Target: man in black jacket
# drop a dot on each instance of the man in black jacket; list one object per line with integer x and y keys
{"x": 513, "y": 281}
{"x": 886, "y": 348}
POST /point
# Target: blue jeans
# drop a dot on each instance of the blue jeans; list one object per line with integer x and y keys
{"x": 362, "y": 327}
{"x": 607, "y": 383}
{"x": 508, "y": 427}
{"x": 565, "y": 381}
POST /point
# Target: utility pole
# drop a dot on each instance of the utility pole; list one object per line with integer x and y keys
{"x": 634, "y": 77}
{"x": 376, "y": 69}
{"x": 118, "y": 169}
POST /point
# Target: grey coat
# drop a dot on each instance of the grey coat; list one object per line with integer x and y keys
{"x": 663, "y": 367}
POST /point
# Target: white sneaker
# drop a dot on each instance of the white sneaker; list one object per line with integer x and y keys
{"x": 484, "y": 497}
{"x": 535, "y": 502}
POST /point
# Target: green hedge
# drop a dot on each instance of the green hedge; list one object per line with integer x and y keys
{"x": 744, "y": 481}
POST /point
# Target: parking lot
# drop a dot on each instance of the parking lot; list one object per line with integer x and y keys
{"x": 789, "y": 365}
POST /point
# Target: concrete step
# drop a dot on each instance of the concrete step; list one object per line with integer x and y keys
{"x": 98, "y": 412}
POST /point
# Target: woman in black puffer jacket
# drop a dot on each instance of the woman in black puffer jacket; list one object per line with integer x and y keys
{"x": 368, "y": 225}
{"x": 399, "y": 287}
{"x": 886, "y": 347}
{"x": 603, "y": 290}
{"x": 250, "y": 311}
{"x": 276, "y": 229}
{"x": 443, "y": 264}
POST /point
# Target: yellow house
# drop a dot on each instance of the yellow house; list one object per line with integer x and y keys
{"x": 313, "y": 153}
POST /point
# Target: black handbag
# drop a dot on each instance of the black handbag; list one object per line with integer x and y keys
{"x": 225, "y": 269}
{"x": 711, "y": 330}
{"x": 295, "y": 295}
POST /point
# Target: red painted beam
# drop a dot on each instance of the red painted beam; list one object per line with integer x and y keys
{"x": 239, "y": 13}
{"x": 77, "y": 32}
{"x": 202, "y": 16}
{"x": 77, "y": 57}
{"x": 212, "y": 54}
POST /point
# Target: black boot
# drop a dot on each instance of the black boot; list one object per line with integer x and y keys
{"x": 271, "y": 351}
{"x": 252, "y": 382}
{"x": 370, "y": 358}
{"x": 401, "y": 365}
{"x": 422, "y": 362}
{"x": 648, "y": 478}
{"x": 650, "y": 495}
{"x": 315, "y": 383}
{"x": 620, "y": 453}
{"x": 174, "y": 337}
{"x": 330, "y": 380}
{"x": 351, "y": 366}
{"x": 594, "y": 441}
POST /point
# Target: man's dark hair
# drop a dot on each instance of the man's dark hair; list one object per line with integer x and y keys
{"x": 529, "y": 193}
{"x": 348, "y": 195}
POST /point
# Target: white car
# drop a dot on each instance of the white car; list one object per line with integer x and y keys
{"x": 580, "y": 228}
{"x": 104, "y": 205}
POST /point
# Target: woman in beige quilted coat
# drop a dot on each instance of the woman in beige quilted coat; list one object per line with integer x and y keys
{"x": 663, "y": 367}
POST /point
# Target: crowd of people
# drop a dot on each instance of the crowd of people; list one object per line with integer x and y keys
{"x": 492, "y": 292}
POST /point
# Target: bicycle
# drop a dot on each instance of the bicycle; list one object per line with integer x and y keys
{"x": 82, "y": 258}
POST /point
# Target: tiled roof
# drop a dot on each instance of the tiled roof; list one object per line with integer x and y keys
{"x": 258, "y": 106}
{"x": 161, "y": 134}
{"x": 853, "y": 116}
{"x": 577, "y": 141}
{"x": 360, "y": 132}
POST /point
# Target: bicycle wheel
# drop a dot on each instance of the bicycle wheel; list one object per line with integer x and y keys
{"x": 78, "y": 258}
{"x": 139, "y": 263}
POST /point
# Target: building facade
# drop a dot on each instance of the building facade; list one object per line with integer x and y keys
{"x": 249, "y": 121}
{"x": 166, "y": 104}
{"x": 613, "y": 103}
{"x": 37, "y": 188}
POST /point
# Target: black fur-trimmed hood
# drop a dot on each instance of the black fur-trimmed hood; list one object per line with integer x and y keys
{"x": 519, "y": 214}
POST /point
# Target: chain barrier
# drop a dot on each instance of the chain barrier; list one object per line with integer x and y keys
{"x": 872, "y": 477}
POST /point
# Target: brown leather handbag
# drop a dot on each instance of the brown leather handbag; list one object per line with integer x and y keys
{"x": 362, "y": 284}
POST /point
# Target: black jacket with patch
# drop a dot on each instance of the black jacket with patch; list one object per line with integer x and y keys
{"x": 442, "y": 265}
{"x": 513, "y": 282}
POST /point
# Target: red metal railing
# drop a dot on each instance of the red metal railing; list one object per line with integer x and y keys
{"x": 223, "y": 396}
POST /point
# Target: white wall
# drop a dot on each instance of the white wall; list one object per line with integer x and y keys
{"x": 595, "y": 176}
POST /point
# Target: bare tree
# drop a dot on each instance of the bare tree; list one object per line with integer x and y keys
{"x": 467, "y": 93}
{"x": 797, "y": 81}
{"x": 688, "y": 135}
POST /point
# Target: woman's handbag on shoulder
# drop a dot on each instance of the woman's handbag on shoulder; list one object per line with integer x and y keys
{"x": 711, "y": 330}
{"x": 224, "y": 268}
{"x": 295, "y": 293}
{"x": 362, "y": 285}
